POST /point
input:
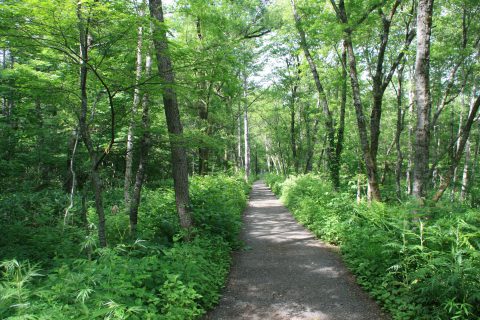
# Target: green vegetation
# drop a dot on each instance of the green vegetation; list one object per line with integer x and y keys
{"x": 128, "y": 128}
{"x": 420, "y": 262}
{"x": 157, "y": 277}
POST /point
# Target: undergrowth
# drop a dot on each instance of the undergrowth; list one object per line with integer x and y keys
{"x": 157, "y": 277}
{"x": 419, "y": 262}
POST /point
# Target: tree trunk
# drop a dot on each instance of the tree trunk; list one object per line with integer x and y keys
{"x": 463, "y": 192}
{"x": 398, "y": 133}
{"x": 456, "y": 145}
{"x": 172, "y": 115}
{"x": 245, "y": 130}
{"x": 374, "y": 189}
{"x": 136, "y": 102}
{"x": 423, "y": 98}
{"x": 144, "y": 149}
{"x": 474, "y": 168}
{"x": 293, "y": 141}
{"x": 240, "y": 163}
{"x": 203, "y": 151}
{"x": 465, "y": 132}
{"x": 4, "y": 98}
{"x": 369, "y": 159}
{"x": 84, "y": 130}
{"x": 409, "y": 173}
{"x": 314, "y": 139}
{"x": 341, "y": 124}
{"x": 330, "y": 147}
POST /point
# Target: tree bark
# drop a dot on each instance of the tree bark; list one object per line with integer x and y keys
{"x": 465, "y": 132}
{"x": 465, "y": 176}
{"x": 381, "y": 79}
{"x": 240, "y": 163}
{"x": 398, "y": 132}
{"x": 83, "y": 26}
{"x": 144, "y": 150}
{"x": 330, "y": 147}
{"x": 341, "y": 122}
{"x": 203, "y": 103}
{"x": 369, "y": 159}
{"x": 423, "y": 98}
{"x": 136, "y": 102}
{"x": 172, "y": 115}
{"x": 370, "y": 164}
{"x": 246, "y": 136}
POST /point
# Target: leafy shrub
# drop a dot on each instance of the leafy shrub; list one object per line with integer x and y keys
{"x": 218, "y": 204}
{"x": 157, "y": 278}
{"x": 420, "y": 262}
{"x": 274, "y": 182}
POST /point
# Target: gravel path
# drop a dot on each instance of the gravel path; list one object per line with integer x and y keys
{"x": 284, "y": 273}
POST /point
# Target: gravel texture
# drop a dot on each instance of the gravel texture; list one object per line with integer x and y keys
{"x": 285, "y": 273}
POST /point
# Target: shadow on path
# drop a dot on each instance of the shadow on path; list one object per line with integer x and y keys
{"x": 286, "y": 273}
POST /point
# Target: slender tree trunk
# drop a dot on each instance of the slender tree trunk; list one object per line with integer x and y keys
{"x": 374, "y": 189}
{"x": 398, "y": 133}
{"x": 268, "y": 155}
{"x": 172, "y": 115}
{"x": 203, "y": 103}
{"x": 474, "y": 167}
{"x": 380, "y": 80}
{"x": 246, "y": 136}
{"x": 240, "y": 162}
{"x": 83, "y": 26}
{"x": 409, "y": 173}
{"x": 136, "y": 102}
{"x": 465, "y": 132}
{"x": 466, "y": 167}
{"x": 330, "y": 147}
{"x": 11, "y": 84}
{"x": 369, "y": 159}
{"x": 293, "y": 138}
{"x": 423, "y": 98}
{"x": 144, "y": 150}
{"x": 4, "y": 98}
{"x": 341, "y": 122}
{"x": 73, "y": 178}
{"x": 455, "y": 148}
{"x": 314, "y": 139}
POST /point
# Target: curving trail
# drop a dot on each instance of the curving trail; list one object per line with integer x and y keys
{"x": 285, "y": 273}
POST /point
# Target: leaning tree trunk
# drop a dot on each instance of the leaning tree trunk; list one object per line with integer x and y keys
{"x": 172, "y": 115}
{"x": 374, "y": 189}
{"x": 369, "y": 159}
{"x": 423, "y": 98}
{"x": 330, "y": 147}
{"x": 463, "y": 139}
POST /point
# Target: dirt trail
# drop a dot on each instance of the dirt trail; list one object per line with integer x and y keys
{"x": 285, "y": 273}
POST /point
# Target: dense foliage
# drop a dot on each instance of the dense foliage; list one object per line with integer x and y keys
{"x": 157, "y": 276}
{"x": 134, "y": 119}
{"x": 420, "y": 262}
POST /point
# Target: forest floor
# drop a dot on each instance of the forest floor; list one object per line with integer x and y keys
{"x": 284, "y": 272}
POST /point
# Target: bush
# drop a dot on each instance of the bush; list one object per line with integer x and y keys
{"x": 420, "y": 262}
{"x": 160, "y": 277}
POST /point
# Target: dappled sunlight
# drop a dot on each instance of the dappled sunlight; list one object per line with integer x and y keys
{"x": 285, "y": 273}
